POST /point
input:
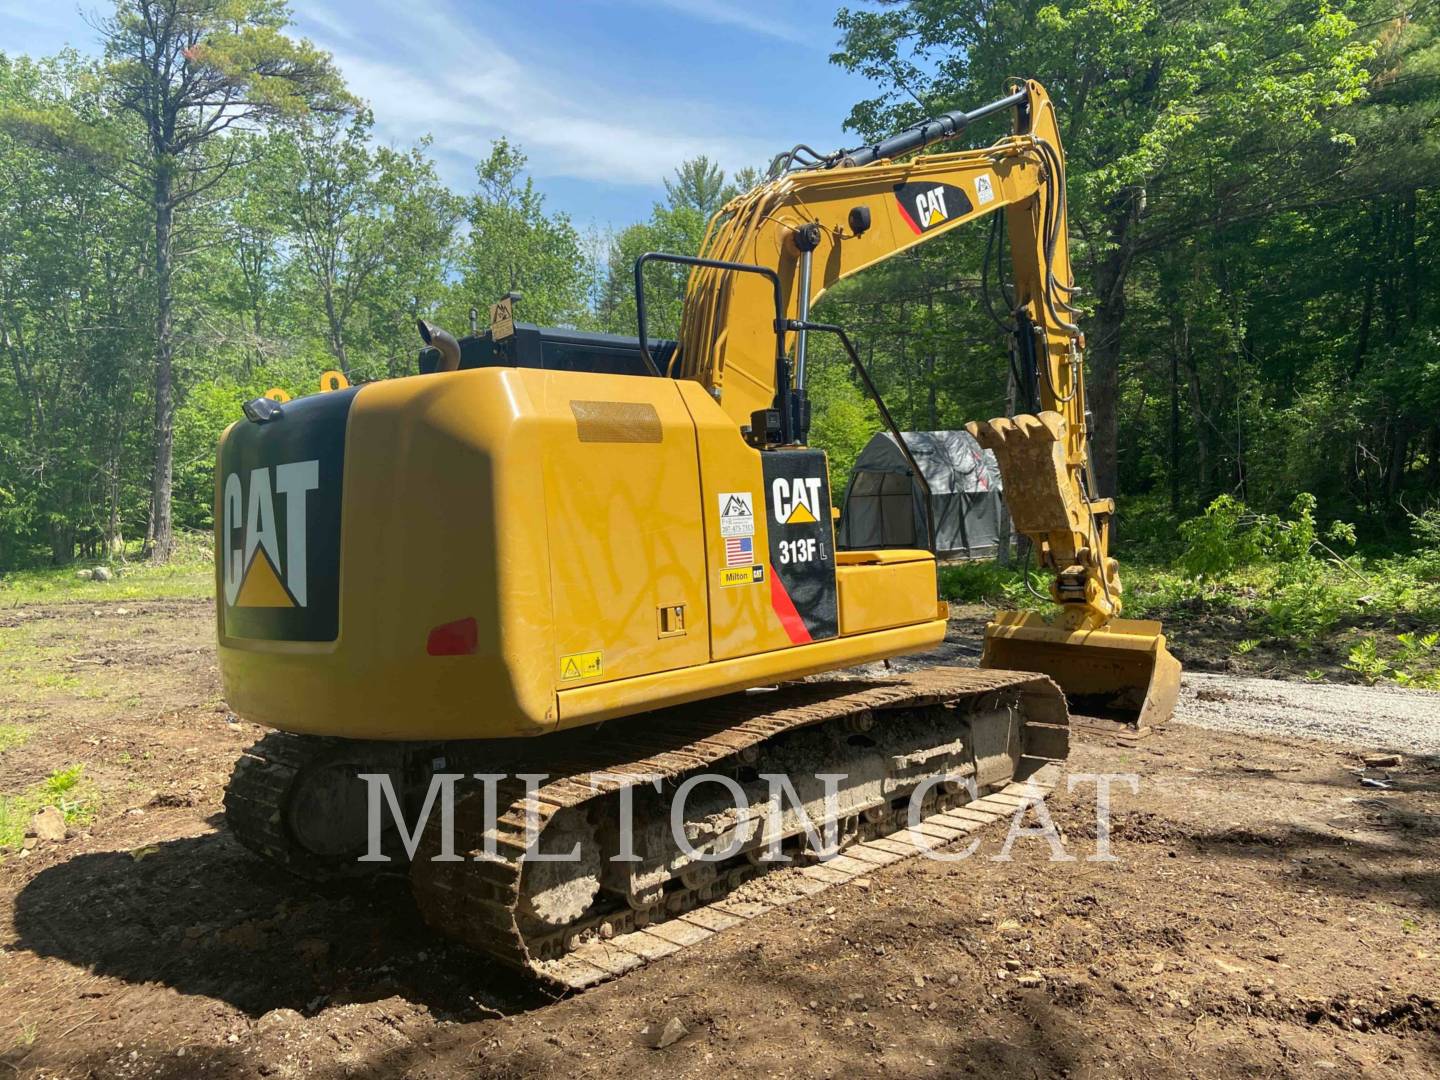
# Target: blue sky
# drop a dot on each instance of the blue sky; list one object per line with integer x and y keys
{"x": 605, "y": 96}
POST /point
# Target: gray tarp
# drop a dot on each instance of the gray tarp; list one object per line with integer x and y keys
{"x": 884, "y": 508}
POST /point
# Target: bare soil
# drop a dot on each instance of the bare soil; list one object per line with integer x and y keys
{"x": 1269, "y": 914}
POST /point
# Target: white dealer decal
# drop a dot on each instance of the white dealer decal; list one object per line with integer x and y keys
{"x": 262, "y": 568}
{"x": 737, "y": 513}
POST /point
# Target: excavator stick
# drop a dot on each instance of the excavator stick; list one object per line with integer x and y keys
{"x": 1108, "y": 667}
{"x": 1121, "y": 672}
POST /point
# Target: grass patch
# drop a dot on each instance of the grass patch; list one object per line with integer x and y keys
{"x": 190, "y": 574}
{"x": 1281, "y": 585}
{"x": 13, "y": 735}
{"x": 990, "y": 583}
{"x": 64, "y": 788}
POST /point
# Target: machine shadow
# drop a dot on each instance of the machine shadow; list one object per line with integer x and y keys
{"x": 205, "y": 917}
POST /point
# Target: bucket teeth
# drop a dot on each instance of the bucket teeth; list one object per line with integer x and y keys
{"x": 1031, "y": 454}
{"x": 1004, "y": 431}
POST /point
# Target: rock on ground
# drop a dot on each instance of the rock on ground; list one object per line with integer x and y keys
{"x": 48, "y": 824}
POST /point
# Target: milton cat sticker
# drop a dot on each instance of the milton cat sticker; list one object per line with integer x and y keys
{"x": 927, "y": 206}
{"x": 277, "y": 522}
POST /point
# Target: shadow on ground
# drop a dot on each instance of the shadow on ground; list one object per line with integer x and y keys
{"x": 204, "y": 916}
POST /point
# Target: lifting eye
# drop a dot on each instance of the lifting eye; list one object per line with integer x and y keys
{"x": 859, "y": 220}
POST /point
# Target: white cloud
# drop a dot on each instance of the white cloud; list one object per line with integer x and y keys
{"x": 34, "y": 14}
{"x": 742, "y": 16}
{"x": 334, "y": 25}
{"x": 439, "y": 76}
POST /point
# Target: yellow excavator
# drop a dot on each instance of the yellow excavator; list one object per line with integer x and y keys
{"x": 582, "y": 571}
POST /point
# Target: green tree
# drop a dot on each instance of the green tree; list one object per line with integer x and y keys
{"x": 178, "y": 75}
{"x": 1173, "y": 114}
{"x": 246, "y": 276}
{"x": 699, "y": 184}
{"x": 515, "y": 246}
{"x": 693, "y": 196}
{"x": 72, "y": 304}
{"x": 372, "y": 230}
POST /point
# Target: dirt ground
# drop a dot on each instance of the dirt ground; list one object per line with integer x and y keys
{"x": 1269, "y": 914}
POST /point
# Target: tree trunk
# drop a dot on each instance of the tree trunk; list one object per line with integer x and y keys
{"x": 1367, "y": 292}
{"x": 1432, "y": 467}
{"x": 337, "y": 331}
{"x": 1411, "y": 260}
{"x": 932, "y": 395}
{"x": 1202, "y": 434}
{"x": 114, "y": 537}
{"x": 1103, "y": 356}
{"x": 1395, "y": 467}
{"x": 1180, "y": 343}
{"x": 62, "y": 542}
{"x": 161, "y": 538}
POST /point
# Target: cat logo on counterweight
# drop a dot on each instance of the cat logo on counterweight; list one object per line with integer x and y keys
{"x": 264, "y": 569}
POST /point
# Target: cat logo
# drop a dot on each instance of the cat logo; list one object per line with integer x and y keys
{"x": 260, "y": 570}
{"x": 925, "y": 206}
{"x": 796, "y": 501}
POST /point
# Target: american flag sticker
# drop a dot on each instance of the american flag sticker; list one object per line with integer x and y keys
{"x": 739, "y": 550}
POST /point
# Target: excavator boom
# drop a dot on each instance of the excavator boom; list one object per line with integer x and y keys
{"x": 833, "y": 217}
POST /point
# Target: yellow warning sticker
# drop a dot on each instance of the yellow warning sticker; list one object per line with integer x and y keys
{"x": 741, "y": 575}
{"x": 581, "y": 665}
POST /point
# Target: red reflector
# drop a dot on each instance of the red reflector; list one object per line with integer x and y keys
{"x": 458, "y": 638}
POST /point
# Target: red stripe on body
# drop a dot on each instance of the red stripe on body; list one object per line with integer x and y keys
{"x": 785, "y": 608}
{"x": 908, "y": 219}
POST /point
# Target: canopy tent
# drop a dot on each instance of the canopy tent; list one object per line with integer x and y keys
{"x": 884, "y": 507}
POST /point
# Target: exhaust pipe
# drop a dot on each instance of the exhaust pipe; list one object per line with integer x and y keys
{"x": 443, "y": 341}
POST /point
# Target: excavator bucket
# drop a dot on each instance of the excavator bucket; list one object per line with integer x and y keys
{"x": 1121, "y": 672}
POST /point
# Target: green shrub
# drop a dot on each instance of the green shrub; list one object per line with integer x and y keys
{"x": 1412, "y": 663}
{"x": 1229, "y": 536}
{"x": 64, "y": 789}
{"x": 988, "y": 582}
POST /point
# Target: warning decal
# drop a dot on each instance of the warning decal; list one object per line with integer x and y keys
{"x": 802, "y": 544}
{"x": 581, "y": 665}
{"x": 737, "y": 513}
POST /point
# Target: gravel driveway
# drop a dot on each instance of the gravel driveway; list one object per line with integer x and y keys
{"x": 1364, "y": 717}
